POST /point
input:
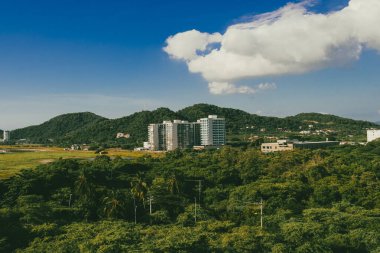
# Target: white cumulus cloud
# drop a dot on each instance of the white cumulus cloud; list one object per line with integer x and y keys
{"x": 187, "y": 45}
{"x": 219, "y": 88}
{"x": 291, "y": 40}
{"x": 267, "y": 86}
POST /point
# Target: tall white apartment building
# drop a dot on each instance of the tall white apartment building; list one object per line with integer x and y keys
{"x": 173, "y": 135}
{"x": 213, "y": 131}
{"x": 157, "y": 136}
{"x": 6, "y": 136}
{"x": 181, "y": 134}
{"x": 373, "y": 134}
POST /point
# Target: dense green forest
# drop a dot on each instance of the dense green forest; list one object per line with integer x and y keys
{"x": 89, "y": 128}
{"x": 313, "y": 201}
{"x": 56, "y": 127}
{"x": 342, "y": 125}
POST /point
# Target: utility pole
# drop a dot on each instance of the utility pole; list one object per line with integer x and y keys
{"x": 70, "y": 200}
{"x": 199, "y": 188}
{"x": 261, "y": 204}
{"x": 199, "y": 191}
{"x": 134, "y": 203}
{"x": 199, "y": 196}
{"x": 150, "y": 198}
{"x": 261, "y": 213}
{"x": 195, "y": 210}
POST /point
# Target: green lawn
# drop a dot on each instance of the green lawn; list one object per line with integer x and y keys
{"x": 11, "y": 163}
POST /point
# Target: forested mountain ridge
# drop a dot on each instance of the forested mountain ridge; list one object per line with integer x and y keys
{"x": 56, "y": 127}
{"x": 331, "y": 121}
{"x": 236, "y": 120}
{"x": 91, "y": 128}
{"x": 105, "y": 131}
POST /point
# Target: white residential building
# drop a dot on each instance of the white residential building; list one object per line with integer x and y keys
{"x": 181, "y": 134}
{"x": 6, "y": 136}
{"x": 213, "y": 131}
{"x": 146, "y": 145}
{"x": 373, "y": 134}
{"x": 173, "y": 135}
{"x": 157, "y": 136}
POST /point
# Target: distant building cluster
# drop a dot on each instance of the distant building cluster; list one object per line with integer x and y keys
{"x": 285, "y": 145}
{"x": 373, "y": 134}
{"x": 123, "y": 135}
{"x": 179, "y": 134}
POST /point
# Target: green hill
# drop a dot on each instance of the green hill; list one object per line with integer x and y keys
{"x": 329, "y": 120}
{"x": 332, "y": 122}
{"x": 56, "y": 127}
{"x": 90, "y": 128}
{"x": 106, "y": 130}
{"x": 237, "y": 120}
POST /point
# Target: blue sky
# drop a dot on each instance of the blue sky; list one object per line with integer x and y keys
{"x": 107, "y": 57}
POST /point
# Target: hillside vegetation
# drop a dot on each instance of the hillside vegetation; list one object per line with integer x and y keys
{"x": 105, "y": 131}
{"x": 339, "y": 124}
{"x": 318, "y": 201}
{"x": 55, "y": 128}
{"x": 237, "y": 120}
{"x": 93, "y": 129}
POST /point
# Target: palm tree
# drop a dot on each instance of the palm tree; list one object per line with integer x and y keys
{"x": 114, "y": 204}
{"x": 173, "y": 184}
{"x": 83, "y": 186}
{"x": 139, "y": 188}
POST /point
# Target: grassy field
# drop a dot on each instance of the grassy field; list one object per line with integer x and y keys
{"x": 24, "y": 157}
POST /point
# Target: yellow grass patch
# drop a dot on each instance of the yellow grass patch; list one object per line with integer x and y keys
{"x": 28, "y": 157}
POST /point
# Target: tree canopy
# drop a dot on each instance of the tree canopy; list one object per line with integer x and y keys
{"x": 198, "y": 201}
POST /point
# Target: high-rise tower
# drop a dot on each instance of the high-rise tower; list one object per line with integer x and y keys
{"x": 213, "y": 131}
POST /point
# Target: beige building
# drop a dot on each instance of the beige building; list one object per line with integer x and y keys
{"x": 284, "y": 145}
{"x": 373, "y": 134}
{"x": 280, "y": 145}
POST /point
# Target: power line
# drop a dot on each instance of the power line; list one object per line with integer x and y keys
{"x": 199, "y": 188}
{"x": 261, "y": 204}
